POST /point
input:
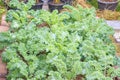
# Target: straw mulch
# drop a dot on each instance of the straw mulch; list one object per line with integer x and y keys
{"x": 108, "y": 14}
{"x": 83, "y": 3}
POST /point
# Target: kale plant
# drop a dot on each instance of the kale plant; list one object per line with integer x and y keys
{"x": 58, "y": 46}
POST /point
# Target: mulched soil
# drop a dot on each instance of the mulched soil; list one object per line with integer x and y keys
{"x": 108, "y": 14}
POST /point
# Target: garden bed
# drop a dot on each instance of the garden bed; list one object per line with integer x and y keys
{"x": 67, "y": 45}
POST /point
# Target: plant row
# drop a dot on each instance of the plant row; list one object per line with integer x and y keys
{"x": 58, "y": 46}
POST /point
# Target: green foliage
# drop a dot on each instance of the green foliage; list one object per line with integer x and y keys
{"x": 72, "y": 43}
{"x": 93, "y": 3}
{"x": 21, "y": 5}
{"x": 2, "y": 9}
{"x": 118, "y": 7}
{"x": 1, "y": 3}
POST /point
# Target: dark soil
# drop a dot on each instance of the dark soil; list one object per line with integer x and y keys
{"x": 79, "y": 77}
{"x": 44, "y": 24}
{"x": 1, "y": 52}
